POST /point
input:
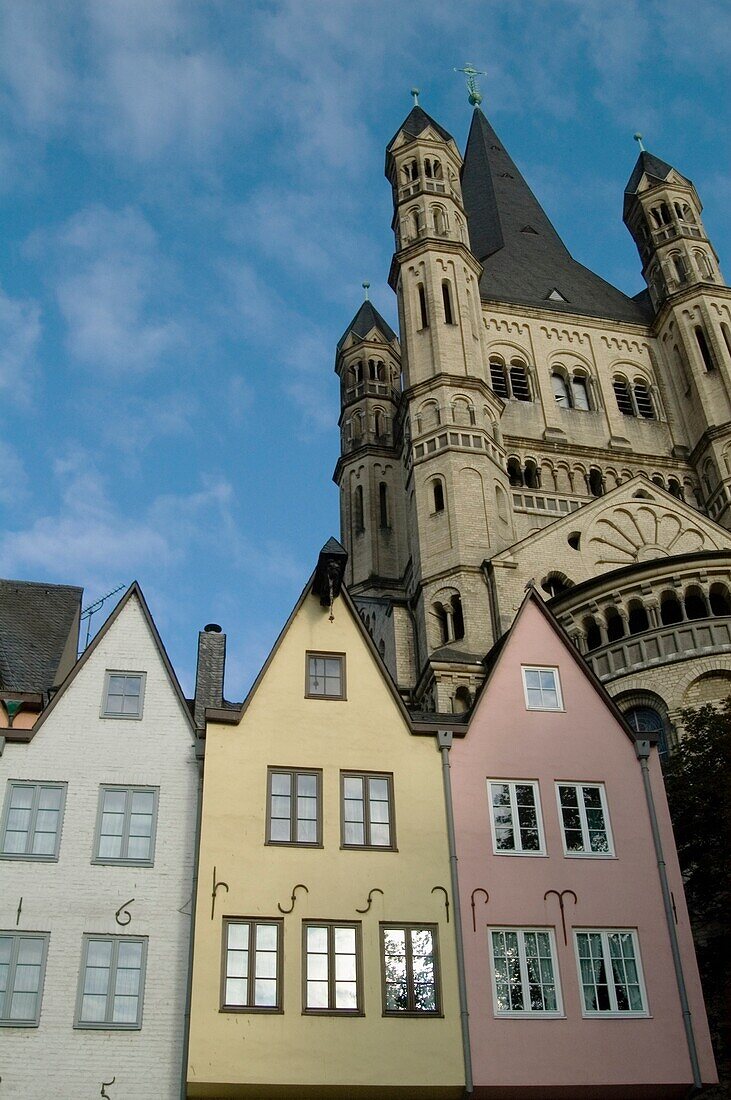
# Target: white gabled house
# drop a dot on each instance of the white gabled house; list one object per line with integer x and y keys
{"x": 97, "y": 846}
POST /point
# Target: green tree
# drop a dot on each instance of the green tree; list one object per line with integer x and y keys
{"x": 698, "y": 778}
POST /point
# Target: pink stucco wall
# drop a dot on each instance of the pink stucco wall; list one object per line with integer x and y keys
{"x": 571, "y": 1056}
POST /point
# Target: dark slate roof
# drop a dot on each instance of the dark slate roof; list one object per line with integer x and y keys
{"x": 366, "y": 319}
{"x": 35, "y": 623}
{"x": 523, "y": 257}
{"x": 416, "y": 122}
{"x": 650, "y": 165}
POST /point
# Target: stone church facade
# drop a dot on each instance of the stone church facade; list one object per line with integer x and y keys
{"x": 531, "y": 424}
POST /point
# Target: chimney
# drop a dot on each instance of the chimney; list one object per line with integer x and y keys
{"x": 209, "y": 672}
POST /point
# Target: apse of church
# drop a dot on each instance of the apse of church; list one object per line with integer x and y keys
{"x": 532, "y": 424}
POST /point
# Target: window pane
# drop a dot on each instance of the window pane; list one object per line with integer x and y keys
{"x": 143, "y": 802}
{"x": 354, "y": 833}
{"x": 50, "y": 798}
{"x": 317, "y": 994}
{"x": 93, "y": 1009}
{"x": 353, "y": 787}
{"x": 99, "y": 953}
{"x": 317, "y": 939}
{"x": 380, "y": 836}
{"x": 238, "y": 936}
{"x": 345, "y": 940}
{"x": 265, "y": 993}
{"x": 115, "y": 801}
{"x": 266, "y": 964}
{"x": 307, "y": 785}
{"x": 266, "y": 937}
{"x": 236, "y": 989}
{"x": 237, "y": 964}
{"x": 307, "y": 832}
{"x": 131, "y": 705}
{"x": 317, "y": 969}
{"x": 281, "y": 783}
{"x": 279, "y": 829}
{"x": 125, "y": 1010}
{"x": 346, "y": 996}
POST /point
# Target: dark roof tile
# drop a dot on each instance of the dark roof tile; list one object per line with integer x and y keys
{"x": 35, "y": 623}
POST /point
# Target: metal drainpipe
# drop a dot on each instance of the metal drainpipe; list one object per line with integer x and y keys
{"x": 189, "y": 983}
{"x": 642, "y": 749}
{"x": 444, "y": 742}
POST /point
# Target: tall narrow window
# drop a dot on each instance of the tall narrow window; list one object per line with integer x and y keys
{"x": 610, "y": 974}
{"x": 294, "y": 807}
{"x": 358, "y": 523}
{"x": 252, "y": 965}
{"x": 111, "y": 983}
{"x": 424, "y": 316}
{"x": 515, "y": 814}
{"x": 704, "y": 349}
{"x": 580, "y": 392}
{"x": 519, "y": 382}
{"x": 447, "y": 300}
{"x": 442, "y": 623}
{"x": 560, "y": 390}
{"x": 524, "y": 972}
{"x": 595, "y": 482}
{"x": 367, "y": 810}
{"x": 643, "y": 401}
{"x": 22, "y": 964}
{"x": 438, "y": 495}
{"x": 498, "y": 381}
{"x": 410, "y": 970}
{"x": 624, "y": 400}
{"x": 383, "y": 506}
{"x": 332, "y": 968}
{"x": 582, "y": 809}
{"x": 515, "y": 472}
{"x": 457, "y": 618}
{"x": 31, "y": 821}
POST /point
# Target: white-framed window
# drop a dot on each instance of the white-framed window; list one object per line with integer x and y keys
{"x": 126, "y": 825}
{"x": 515, "y": 816}
{"x": 22, "y": 968}
{"x": 31, "y": 822}
{"x": 524, "y": 972}
{"x": 542, "y": 688}
{"x": 584, "y": 816}
{"x": 252, "y": 965}
{"x": 610, "y": 972}
{"x": 332, "y": 982}
{"x": 410, "y": 970}
{"x": 112, "y": 983}
{"x": 124, "y": 694}
{"x": 325, "y": 676}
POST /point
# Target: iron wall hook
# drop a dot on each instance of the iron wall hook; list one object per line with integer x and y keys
{"x": 446, "y": 898}
{"x": 299, "y": 886}
{"x": 216, "y": 886}
{"x": 123, "y": 911}
{"x": 375, "y": 890}
{"x": 560, "y": 897}
{"x": 105, "y": 1085}
{"x": 477, "y": 890}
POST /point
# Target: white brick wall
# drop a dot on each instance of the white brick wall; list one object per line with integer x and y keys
{"x": 71, "y": 897}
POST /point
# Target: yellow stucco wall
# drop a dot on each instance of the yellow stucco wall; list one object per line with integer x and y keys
{"x": 250, "y": 1054}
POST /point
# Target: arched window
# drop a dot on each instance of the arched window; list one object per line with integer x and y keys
{"x": 595, "y": 481}
{"x": 498, "y": 381}
{"x": 695, "y": 603}
{"x": 680, "y": 266}
{"x": 447, "y": 301}
{"x": 704, "y": 349}
{"x": 438, "y": 494}
{"x": 719, "y": 599}
{"x": 519, "y": 380}
{"x": 710, "y": 475}
{"x": 561, "y": 390}
{"x": 593, "y": 633}
{"x": 671, "y": 611}
{"x": 457, "y": 618}
{"x": 580, "y": 391}
{"x": 675, "y": 488}
{"x": 357, "y": 427}
{"x": 643, "y": 400}
{"x": 647, "y": 720}
{"x": 356, "y": 372}
{"x": 383, "y": 505}
{"x": 615, "y": 625}
{"x": 423, "y": 315}
{"x": 462, "y": 700}
{"x": 515, "y": 473}
{"x": 358, "y": 520}
{"x": 726, "y": 336}
{"x": 621, "y": 392}
{"x": 637, "y": 620}
{"x": 531, "y": 475}
{"x": 379, "y": 423}
{"x": 427, "y": 168}
{"x": 437, "y": 167}
{"x": 703, "y": 264}
{"x": 376, "y": 370}
{"x": 440, "y": 614}
{"x": 414, "y": 217}
{"x": 440, "y": 221}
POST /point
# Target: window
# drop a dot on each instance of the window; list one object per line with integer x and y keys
{"x": 438, "y": 495}
{"x": 294, "y": 801}
{"x": 325, "y": 676}
{"x": 643, "y": 401}
{"x": 112, "y": 982}
{"x": 31, "y": 823}
{"x": 123, "y": 695}
{"x": 542, "y": 689}
{"x": 610, "y": 972}
{"x": 447, "y": 303}
{"x": 332, "y": 968}
{"x": 367, "y": 811}
{"x": 515, "y": 813}
{"x": 22, "y": 966}
{"x": 410, "y": 970}
{"x": 498, "y": 381}
{"x": 580, "y": 392}
{"x": 383, "y": 515}
{"x": 423, "y": 315}
{"x": 647, "y": 720}
{"x": 561, "y": 390}
{"x": 358, "y": 522}
{"x": 252, "y": 965}
{"x": 125, "y": 831}
{"x": 523, "y": 966}
{"x": 624, "y": 400}
{"x": 519, "y": 381}
{"x": 704, "y": 349}
{"x": 582, "y": 808}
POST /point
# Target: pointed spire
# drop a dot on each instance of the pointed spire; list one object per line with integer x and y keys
{"x": 416, "y": 122}
{"x": 366, "y": 319}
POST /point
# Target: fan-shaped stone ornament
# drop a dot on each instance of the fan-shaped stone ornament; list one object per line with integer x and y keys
{"x": 642, "y": 532}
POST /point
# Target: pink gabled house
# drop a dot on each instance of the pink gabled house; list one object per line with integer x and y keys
{"x": 575, "y": 953}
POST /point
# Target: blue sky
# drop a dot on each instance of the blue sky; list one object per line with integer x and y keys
{"x": 191, "y": 193}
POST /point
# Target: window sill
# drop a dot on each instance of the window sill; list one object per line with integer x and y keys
{"x": 530, "y": 1016}
{"x": 19, "y": 1023}
{"x": 616, "y": 1016}
{"x": 123, "y": 717}
{"x": 355, "y": 1014}
{"x": 122, "y": 863}
{"x": 547, "y": 710}
{"x": 237, "y": 1009}
{"x": 367, "y": 848}
{"x": 293, "y": 844}
{"x": 523, "y": 855}
{"x": 413, "y": 1015}
{"x": 30, "y": 858}
{"x": 590, "y": 855}
{"x": 107, "y": 1027}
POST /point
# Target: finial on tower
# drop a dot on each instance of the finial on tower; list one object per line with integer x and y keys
{"x": 415, "y": 93}
{"x": 638, "y": 139}
{"x": 366, "y": 288}
{"x": 471, "y": 73}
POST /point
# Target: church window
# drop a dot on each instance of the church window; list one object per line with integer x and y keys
{"x": 515, "y": 473}
{"x": 695, "y": 604}
{"x": 437, "y": 170}
{"x": 531, "y": 475}
{"x": 439, "y": 218}
{"x": 560, "y": 390}
{"x": 719, "y": 599}
{"x": 664, "y": 213}
{"x": 447, "y": 300}
{"x": 681, "y": 270}
{"x": 376, "y": 370}
{"x": 411, "y": 169}
{"x": 357, "y": 427}
{"x": 593, "y": 633}
{"x": 498, "y": 381}
{"x": 423, "y": 315}
{"x": 704, "y": 349}
{"x": 671, "y": 611}
{"x": 358, "y": 517}
{"x": 704, "y": 264}
{"x": 615, "y": 624}
{"x": 379, "y": 423}
{"x": 595, "y": 481}
{"x": 427, "y": 168}
{"x": 438, "y": 492}
{"x": 643, "y": 400}
{"x": 462, "y": 700}
{"x": 415, "y": 220}
{"x": 519, "y": 381}
{"x": 457, "y": 618}
{"x": 383, "y": 505}
{"x": 675, "y": 488}
{"x": 657, "y": 479}
{"x": 726, "y": 336}
{"x": 710, "y": 475}
{"x": 442, "y": 622}
{"x": 580, "y": 392}
{"x": 621, "y": 391}
{"x": 647, "y": 720}
{"x": 637, "y": 620}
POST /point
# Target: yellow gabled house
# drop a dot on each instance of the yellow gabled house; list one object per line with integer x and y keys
{"x": 324, "y": 956}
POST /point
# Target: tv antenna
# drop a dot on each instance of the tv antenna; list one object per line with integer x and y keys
{"x": 94, "y": 607}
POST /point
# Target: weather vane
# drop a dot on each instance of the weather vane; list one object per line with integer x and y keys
{"x": 471, "y": 73}
{"x": 366, "y": 287}
{"x": 638, "y": 139}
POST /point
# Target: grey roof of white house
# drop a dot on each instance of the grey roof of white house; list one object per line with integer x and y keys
{"x": 35, "y": 622}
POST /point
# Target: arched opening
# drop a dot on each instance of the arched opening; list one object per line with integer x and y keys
{"x": 671, "y": 611}
{"x": 695, "y": 603}
{"x": 621, "y": 392}
{"x": 554, "y": 583}
{"x": 675, "y": 488}
{"x": 462, "y": 700}
{"x": 440, "y": 221}
{"x": 574, "y": 540}
{"x": 379, "y": 424}
{"x": 437, "y": 166}
{"x": 657, "y": 479}
{"x": 615, "y": 625}
{"x": 358, "y": 516}
{"x": 531, "y": 475}
{"x": 726, "y": 336}
{"x": 383, "y": 505}
{"x": 438, "y": 491}
{"x": 703, "y": 264}
{"x": 638, "y": 620}
{"x": 440, "y": 614}
{"x": 355, "y": 375}
{"x": 647, "y": 720}
{"x": 681, "y": 271}
{"x": 457, "y": 618}
{"x": 498, "y": 380}
{"x": 424, "y": 316}
{"x": 447, "y": 302}
{"x": 664, "y": 213}
{"x": 580, "y": 392}
{"x": 593, "y": 633}
{"x": 515, "y": 474}
{"x": 357, "y": 427}
{"x": 704, "y": 349}
{"x": 519, "y": 381}
{"x": 643, "y": 401}
{"x": 560, "y": 390}
{"x": 595, "y": 482}
{"x": 718, "y": 598}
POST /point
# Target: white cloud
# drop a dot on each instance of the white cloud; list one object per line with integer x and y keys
{"x": 31, "y": 64}
{"x": 13, "y": 478}
{"x": 20, "y": 330}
